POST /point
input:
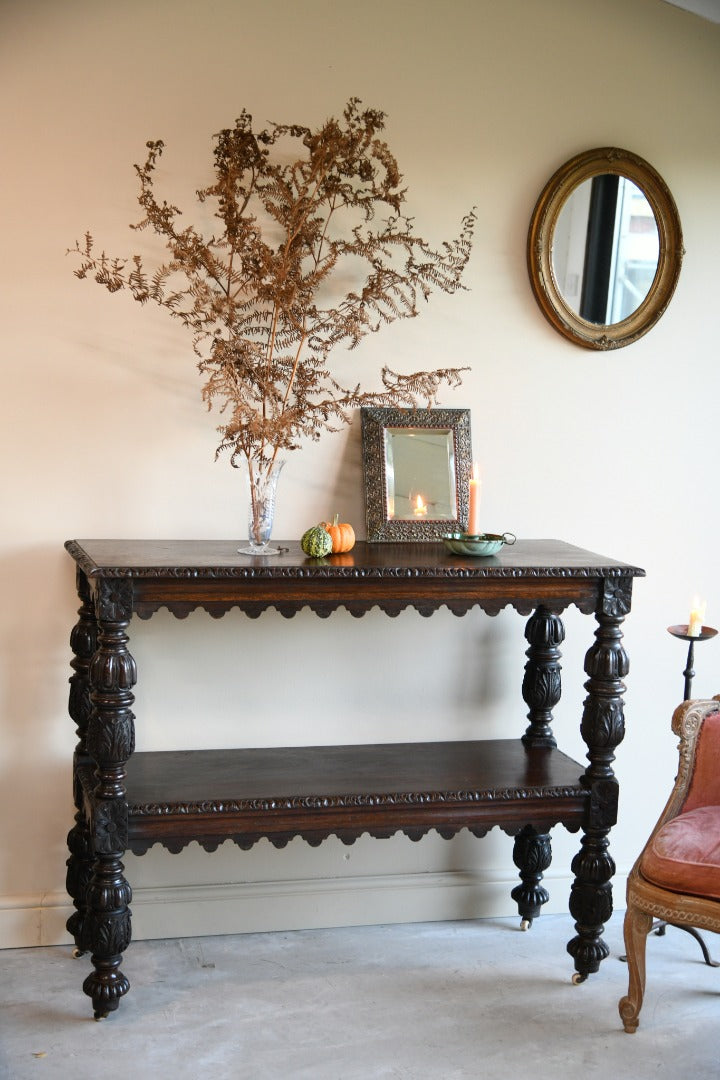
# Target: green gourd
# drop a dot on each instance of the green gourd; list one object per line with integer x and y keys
{"x": 316, "y": 542}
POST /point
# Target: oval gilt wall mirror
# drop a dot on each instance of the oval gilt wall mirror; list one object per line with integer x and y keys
{"x": 604, "y": 248}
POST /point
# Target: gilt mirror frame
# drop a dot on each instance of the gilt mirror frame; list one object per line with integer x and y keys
{"x": 376, "y": 424}
{"x": 586, "y": 166}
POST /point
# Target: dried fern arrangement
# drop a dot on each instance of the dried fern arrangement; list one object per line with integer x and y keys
{"x": 301, "y": 214}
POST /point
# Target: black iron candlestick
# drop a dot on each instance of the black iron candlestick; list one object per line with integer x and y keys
{"x": 681, "y": 632}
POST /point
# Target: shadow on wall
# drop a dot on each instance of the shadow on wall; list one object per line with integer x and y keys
{"x": 38, "y": 736}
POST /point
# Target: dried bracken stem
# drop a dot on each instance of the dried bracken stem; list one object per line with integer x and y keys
{"x": 266, "y": 298}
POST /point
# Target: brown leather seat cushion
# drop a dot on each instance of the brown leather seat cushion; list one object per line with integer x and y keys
{"x": 684, "y": 855}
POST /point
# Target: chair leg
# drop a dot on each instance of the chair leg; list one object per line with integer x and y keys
{"x": 636, "y": 929}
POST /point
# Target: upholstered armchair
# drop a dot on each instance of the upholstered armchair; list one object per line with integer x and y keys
{"x": 677, "y": 877}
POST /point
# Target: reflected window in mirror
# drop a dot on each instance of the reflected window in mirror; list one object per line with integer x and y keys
{"x": 605, "y": 248}
{"x": 416, "y": 466}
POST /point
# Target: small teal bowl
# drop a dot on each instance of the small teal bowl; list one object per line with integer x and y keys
{"x": 477, "y": 546}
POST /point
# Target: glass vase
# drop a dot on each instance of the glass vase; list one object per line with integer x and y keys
{"x": 262, "y": 485}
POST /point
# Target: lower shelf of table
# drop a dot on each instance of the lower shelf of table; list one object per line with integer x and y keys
{"x": 210, "y": 796}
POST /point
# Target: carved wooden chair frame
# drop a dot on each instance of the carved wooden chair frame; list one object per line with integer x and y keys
{"x": 646, "y": 901}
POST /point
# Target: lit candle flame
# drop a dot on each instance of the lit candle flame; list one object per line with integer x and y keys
{"x": 697, "y": 617}
{"x": 420, "y": 507}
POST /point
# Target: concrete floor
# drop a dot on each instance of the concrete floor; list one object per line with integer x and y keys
{"x": 410, "y": 1002}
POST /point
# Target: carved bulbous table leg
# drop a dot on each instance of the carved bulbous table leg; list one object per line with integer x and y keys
{"x": 77, "y": 880}
{"x": 602, "y": 729}
{"x": 541, "y": 690}
{"x": 532, "y": 854}
{"x": 110, "y": 742}
{"x": 541, "y": 686}
{"x": 109, "y": 935}
{"x": 83, "y": 640}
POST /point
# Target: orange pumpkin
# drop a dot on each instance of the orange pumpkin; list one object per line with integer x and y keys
{"x": 341, "y": 534}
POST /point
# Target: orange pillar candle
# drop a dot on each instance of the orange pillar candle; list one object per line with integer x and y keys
{"x": 474, "y": 514}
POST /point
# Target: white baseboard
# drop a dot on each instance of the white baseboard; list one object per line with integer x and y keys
{"x": 200, "y": 910}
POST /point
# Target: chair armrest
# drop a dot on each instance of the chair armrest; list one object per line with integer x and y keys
{"x": 698, "y": 780}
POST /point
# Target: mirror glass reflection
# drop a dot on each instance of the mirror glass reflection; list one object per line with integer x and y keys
{"x": 420, "y": 474}
{"x": 605, "y": 249}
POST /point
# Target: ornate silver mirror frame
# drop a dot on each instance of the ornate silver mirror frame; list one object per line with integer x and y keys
{"x": 416, "y": 467}
{"x": 593, "y": 164}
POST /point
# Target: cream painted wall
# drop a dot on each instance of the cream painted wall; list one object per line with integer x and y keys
{"x": 103, "y": 432}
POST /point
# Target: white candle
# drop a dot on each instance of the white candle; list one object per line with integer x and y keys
{"x": 697, "y": 617}
{"x": 474, "y": 514}
{"x": 420, "y": 507}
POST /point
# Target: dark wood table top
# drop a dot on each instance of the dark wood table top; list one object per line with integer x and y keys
{"x": 220, "y": 558}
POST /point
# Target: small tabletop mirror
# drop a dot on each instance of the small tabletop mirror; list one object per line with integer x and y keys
{"x": 416, "y": 465}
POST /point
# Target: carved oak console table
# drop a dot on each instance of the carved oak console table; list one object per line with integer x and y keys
{"x": 524, "y": 785}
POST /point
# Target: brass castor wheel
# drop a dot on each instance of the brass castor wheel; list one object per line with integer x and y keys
{"x": 526, "y": 924}
{"x": 77, "y": 953}
{"x": 578, "y": 978}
